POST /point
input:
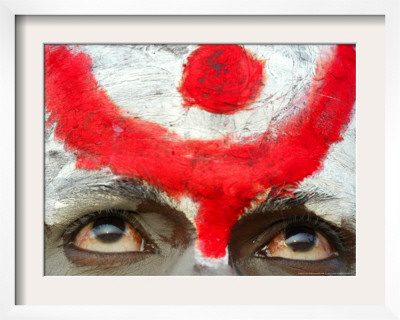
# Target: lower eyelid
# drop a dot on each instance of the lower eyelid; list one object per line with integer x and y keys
{"x": 90, "y": 258}
{"x": 332, "y": 265}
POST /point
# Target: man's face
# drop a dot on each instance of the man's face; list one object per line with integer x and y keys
{"x": 200, "y": 160}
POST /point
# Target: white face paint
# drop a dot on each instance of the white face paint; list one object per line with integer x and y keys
{"x": 143, "y": 81}
{"x": 338, "y": 180}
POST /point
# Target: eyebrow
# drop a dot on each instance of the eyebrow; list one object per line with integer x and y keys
{"x": 128, "y": 187}
{"x": 79, "y": 198}
{"x": 125, "y": 190}
{"x": 319, "y": 201}
{"x": 297, "y": 198}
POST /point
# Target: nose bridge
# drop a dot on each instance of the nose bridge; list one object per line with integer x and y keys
{"x": 217, "y": 270}
{"x": 212, "y": 267}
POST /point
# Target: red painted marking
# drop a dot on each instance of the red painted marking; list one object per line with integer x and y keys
{"x": 222, "y": 78}
{"x": 222, "y": 176}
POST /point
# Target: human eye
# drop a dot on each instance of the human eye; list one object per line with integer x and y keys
{"x": 298, "y": 241}
{"x": 106, "y": 238}
{"x": 117, "y": 237}
{"x": 291, "y": 242}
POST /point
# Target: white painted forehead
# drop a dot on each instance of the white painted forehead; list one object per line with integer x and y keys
{"x": 143, "y": 81}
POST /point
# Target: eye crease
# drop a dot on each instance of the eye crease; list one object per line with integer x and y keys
{"x": 298, "y": 243}
{"x": 109, "y": 234}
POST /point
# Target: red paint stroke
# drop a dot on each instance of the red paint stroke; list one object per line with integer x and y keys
{"x": 222, "y": 176}
{"x": 221, "y": 78}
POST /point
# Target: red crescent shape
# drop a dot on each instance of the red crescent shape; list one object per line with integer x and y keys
{"x": 222, "y": 176}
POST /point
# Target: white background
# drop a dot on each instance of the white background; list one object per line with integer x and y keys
{"x": 367, "y": 33}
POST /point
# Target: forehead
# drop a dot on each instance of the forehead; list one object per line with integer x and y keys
{"x": 144, "y": 81}
{"x": 212, "y": 165}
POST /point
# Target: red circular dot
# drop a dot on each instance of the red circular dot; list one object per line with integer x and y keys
{"x": 221, "y": 79}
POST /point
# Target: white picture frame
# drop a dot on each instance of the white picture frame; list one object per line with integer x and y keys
{"x": 9, "y": 177}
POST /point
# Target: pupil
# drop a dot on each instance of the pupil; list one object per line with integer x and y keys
{"x": 108, "y": 229}
{"x": 300, "y": 238}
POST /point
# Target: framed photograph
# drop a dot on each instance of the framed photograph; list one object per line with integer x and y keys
{"x": 168, "y": 161}
{"x": 200, "y": 159}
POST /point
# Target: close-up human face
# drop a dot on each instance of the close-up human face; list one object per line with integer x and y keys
{"x": 211, "y": 159}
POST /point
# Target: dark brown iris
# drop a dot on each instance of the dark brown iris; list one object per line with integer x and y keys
{"x": 108, "y": 229}
{"x": 300, "y": 238}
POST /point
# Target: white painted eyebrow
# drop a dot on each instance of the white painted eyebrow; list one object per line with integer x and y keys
{"x": 89, "y": 191}
{"x": 298, "y": 198}
{"x": 66, "y": 203}
{"x": 331, "y": 208}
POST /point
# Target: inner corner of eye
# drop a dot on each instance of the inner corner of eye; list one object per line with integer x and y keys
{"x": 298, "y": 243}
{"x": 109, "y": 234}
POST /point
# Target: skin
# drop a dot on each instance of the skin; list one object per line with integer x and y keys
{"x": 325, "y": 200}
